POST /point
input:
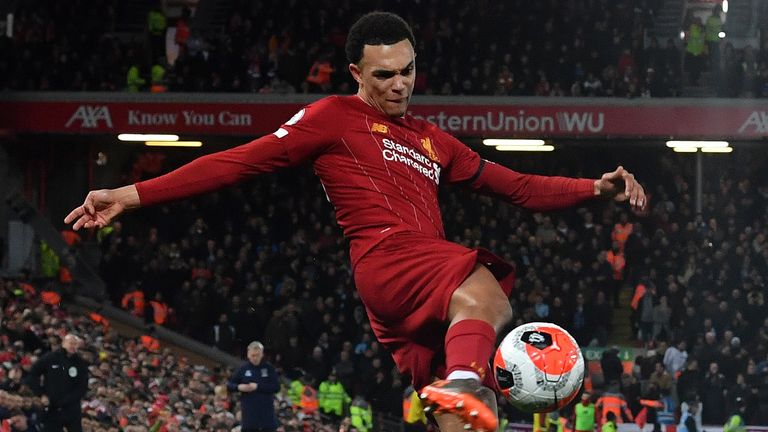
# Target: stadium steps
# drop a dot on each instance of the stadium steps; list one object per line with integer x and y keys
{"x": 130, "y": 326}
{"x": 132, "y": 15}
{"x": 133, "y": 332}
{"x": 88, "y": 286}
{"x": 741, "y": 21}
{"x": 622, "y": 334}
{"x": 212, "y": 15}
{"x": 668, "y": 21}
{"x": 705, "y": 89}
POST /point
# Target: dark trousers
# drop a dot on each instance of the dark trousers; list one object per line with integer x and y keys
{"x": 57, "y": 421}
{"x": 258, "y": 430}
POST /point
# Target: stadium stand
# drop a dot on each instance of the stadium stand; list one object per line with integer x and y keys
{"x": 578, "y": 48}
{"x": 297, "y": 295}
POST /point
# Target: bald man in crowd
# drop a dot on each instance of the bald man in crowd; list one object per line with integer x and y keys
{"x": 61, "y": 378}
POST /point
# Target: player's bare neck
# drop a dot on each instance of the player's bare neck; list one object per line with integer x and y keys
{"x": 372, "y": 103}
{"x": 369, "y": 101}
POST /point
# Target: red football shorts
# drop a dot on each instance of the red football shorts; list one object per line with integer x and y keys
{"x": 406, "y": 283}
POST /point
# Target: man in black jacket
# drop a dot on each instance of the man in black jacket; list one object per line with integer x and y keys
{"x": 257, "y": 383}
{"x": 65, "y": 382}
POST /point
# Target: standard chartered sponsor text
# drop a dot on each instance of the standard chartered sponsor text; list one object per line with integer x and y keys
{"x": 498, "y": 121}
{"x": 396, "y": 152}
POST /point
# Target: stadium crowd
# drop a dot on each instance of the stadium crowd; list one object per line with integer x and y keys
{"x": 266, "y": 261}
{"x": 547, "y": 48}
{"x": 133, "y": 387}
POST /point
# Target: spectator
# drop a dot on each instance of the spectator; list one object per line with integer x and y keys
{"x": 675, "y": 358}
{"x": 737, "y": 421}
{"x": 541, "y": 309}
{"x": 694, "y": 50}
{"x": 584, "y": 414}
{"x": 65, "y": 383}
{"x": 317, "y": 366}
{"x": 592, "y": 86}
{"x": 223, "y": 335}
{"x": 610, "y": 423}
{"x": 257, "y": 382}
{"x": 156, "y": 26}
{"x": 612, "y": 403}
{"x": 333, "y": 397}
{"x": 134, "y": 80}
{"x": 183, "y": 31}
{"x": 662, "y": 314}
{"x": 602, "y": 318}
{"x": 611, "y": 365}
{"x": 690, "y": 410}
{"x": 361, "y": 415}
{"x": 319, "y": 77}
{"x": 661, "y": 378}
{"x": 713, "y": 27}
{"x": 645, "y": 312}
{"x": 714, "y": 387}
{"x": 157, "y": 74}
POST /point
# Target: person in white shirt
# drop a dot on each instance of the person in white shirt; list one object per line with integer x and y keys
{"x": 675, "y": 357}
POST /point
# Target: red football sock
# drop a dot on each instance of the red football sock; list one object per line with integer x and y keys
{"x": 468, "y": 346}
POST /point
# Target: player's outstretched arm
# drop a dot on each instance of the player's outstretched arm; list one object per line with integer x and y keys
{"x": 546, "y": 193}
{"x": 102, "y": 206}
{"x": 621, "y": 185}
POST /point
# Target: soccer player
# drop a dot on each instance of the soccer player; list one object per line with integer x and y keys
{"x": 434, "y": 304}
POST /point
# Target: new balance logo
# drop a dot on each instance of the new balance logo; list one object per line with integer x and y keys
{"x": 380, "y": 128}
{"x": 90, "y": 116}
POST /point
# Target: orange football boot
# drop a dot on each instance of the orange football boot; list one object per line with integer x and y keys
{"x": 466, "y": 398}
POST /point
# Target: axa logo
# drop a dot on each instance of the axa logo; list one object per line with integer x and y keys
{"x": 89, "y": 116}
{"x": 758, "y": 121}
{"x": 426, "y": 143}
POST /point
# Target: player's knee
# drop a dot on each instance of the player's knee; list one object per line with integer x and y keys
{"x": 481, "y": 297}
{"x": 502, "y": 315}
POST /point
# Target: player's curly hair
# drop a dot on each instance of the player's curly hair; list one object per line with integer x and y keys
{"x": 376, "y": 28}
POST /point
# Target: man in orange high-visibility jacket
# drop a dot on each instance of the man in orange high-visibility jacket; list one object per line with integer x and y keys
{"x": 51, "y": 298}
{"x": 150, "y": 343}
{"x": 159, "y": 310}
{"x": 613, "y": 402}
{"x": 134, "y": 301}
{"x": 309, "y": 402}
{"x": 320, "y": 75}
{"x": 28, "y": 289}
{"x": 622, "y": 230}
{"x": 99, "y": 319}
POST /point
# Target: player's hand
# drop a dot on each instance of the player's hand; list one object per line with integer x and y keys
{"x": 97, "y": 211}
{"x": 101, "y": 206}
{"x": 620, "y": 185}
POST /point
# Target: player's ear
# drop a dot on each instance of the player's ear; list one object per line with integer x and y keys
{"x": 356, "y": 73}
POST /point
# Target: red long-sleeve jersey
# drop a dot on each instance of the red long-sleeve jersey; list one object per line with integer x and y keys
{"x": 380, "y": 173}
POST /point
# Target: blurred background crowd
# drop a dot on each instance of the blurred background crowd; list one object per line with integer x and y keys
{"x": 577, "y": 48}
{"x": 265, "y": 261}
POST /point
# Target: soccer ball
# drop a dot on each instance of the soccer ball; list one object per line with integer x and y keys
{"x": 539, "y": 367}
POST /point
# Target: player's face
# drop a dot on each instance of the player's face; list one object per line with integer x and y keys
{"x": 386, "y": 74}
